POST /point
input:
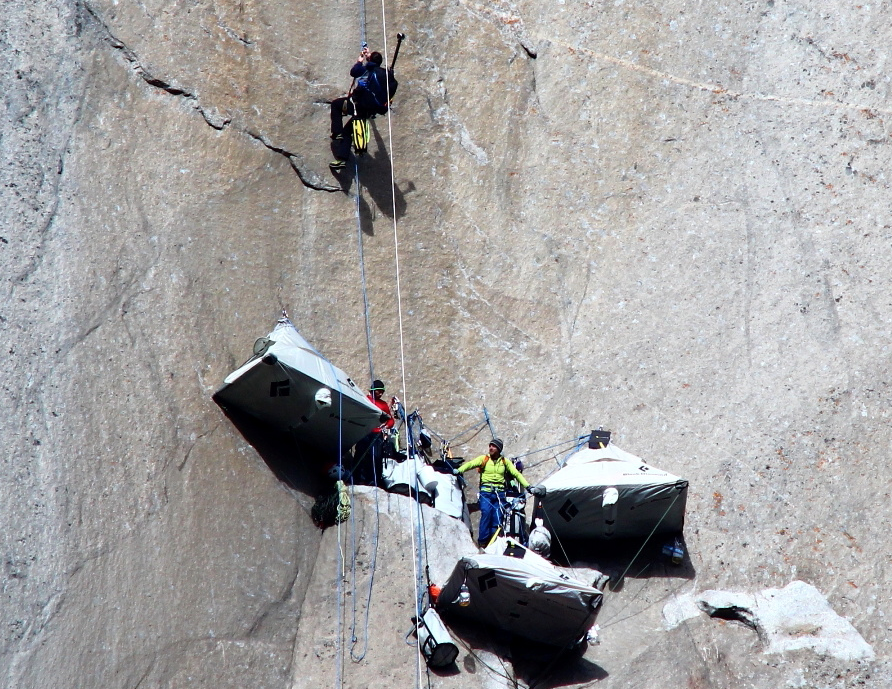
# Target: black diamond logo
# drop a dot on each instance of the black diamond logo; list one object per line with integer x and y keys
{"x": 487, "y": 581}
{"x": 568, "y": 510}
{"x": 279, "y": 388}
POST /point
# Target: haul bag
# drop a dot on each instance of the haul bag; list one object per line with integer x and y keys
{"x": 434, "y": 641}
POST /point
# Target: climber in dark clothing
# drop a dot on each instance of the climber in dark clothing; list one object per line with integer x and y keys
{"x": 368, "y": 98}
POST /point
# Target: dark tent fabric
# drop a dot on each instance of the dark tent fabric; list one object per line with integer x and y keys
{"x": 609, "y": 493}
{"x": 289, "y": 385}
{"x": 526, "y": 597}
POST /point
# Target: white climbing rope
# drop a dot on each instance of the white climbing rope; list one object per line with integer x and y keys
{"x": 416, "y": 523}
{"x": 365, "y": 291}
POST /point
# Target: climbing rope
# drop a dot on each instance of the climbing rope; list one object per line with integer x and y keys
{"x": 615, "y": 619}
{"x": 504, "y": 675}
{"x": 577, "y": 443}
{"x": 341, "y": 511}
{"x": 423, "y": 562}
{"x": 399, "y": 302}
{"x": 368, "y": 331}
{"x": 362, "y": 23}
{"x": 418, "y": 538}
{"x": 646, "y": 540}
{"x": 475, "y": 427}
{"x": 416, "y": 529}
{"x": 365, "y": 291}
{"x": 372, "y": 565}
{"x": 555, "y": 537}
{"x": 338, "y": 507}
{"x": 339, "y": 651}
{"x": 634, "y": 558}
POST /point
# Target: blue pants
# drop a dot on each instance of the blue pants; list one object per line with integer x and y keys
{"x": 491, "y": 506}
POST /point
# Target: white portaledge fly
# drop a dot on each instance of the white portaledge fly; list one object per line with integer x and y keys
{"x": 521, "y": 594}
{"x": 603, "y": 492}
{"x": 291, "y": 386}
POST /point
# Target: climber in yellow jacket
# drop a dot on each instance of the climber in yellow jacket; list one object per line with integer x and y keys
{"x": 495, "y": 472}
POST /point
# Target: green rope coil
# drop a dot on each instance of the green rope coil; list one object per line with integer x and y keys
{"x": 332, "y": 508}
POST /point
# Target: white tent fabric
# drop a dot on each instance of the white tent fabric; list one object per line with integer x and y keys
{"x": 610, "y": 493}
{"x": 443, "y": 491}
{"x": 289, "y": 385}
{"x": 446, "y": 490}
{"x": 524, "y": 596}
{"x": 405, "y": 477}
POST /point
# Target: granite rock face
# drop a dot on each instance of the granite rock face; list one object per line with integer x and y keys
{"x": 789, "y": 619}
{"x": 668, "y": 219}
{"x": 792, "y": 618}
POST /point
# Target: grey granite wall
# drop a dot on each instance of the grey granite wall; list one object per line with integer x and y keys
{"x": 668, "y": 219}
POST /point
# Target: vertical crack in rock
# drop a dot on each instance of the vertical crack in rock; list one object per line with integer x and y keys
{"x": 832, "y": 313}
{"x": 116, "y": 304}
{"x": 506, "y": 18}
{"x": 33, "y": 637}
{"x": 152, "y": 661}
{"x": 281, "y": 600}
{"x": 43, "y": 233}
{"x": 194, "y": 443}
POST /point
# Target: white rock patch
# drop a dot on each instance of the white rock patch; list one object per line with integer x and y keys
{"x": 679, "y": 609}
{"x": 795, "y": 617}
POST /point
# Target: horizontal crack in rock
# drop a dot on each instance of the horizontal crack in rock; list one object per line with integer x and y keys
{"x": 731, "y": 612}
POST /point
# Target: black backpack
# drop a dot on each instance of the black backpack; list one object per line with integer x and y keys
{"x": 375, "y": 83}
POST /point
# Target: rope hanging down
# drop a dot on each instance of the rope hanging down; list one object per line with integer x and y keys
{"x": 649, "y": 536}
{"x": 399, "y": 302}
{"x": 357, "y": 657}
{"x": 365, "y": 291}
{"x": 417, "y": 525}
{"x": 339, "y": 651}
{"x": 417, "y": 537}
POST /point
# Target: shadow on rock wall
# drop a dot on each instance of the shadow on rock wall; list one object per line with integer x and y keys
{"x": 625, "y": 558}
{"x": 375, "y": 179}
{"x": 535, "y": 665}
{"x": 302, "y": 471}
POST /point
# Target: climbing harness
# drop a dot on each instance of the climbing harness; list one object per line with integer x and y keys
{"x": 508, "y": 507}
